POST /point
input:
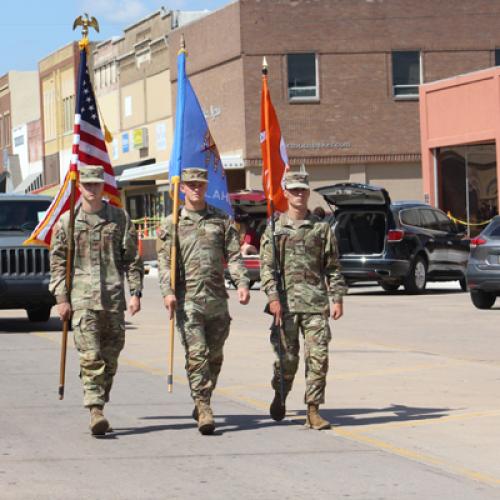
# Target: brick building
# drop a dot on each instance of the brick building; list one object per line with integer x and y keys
{"x": 343, "y": 76}
{"x": 19, "y": 111}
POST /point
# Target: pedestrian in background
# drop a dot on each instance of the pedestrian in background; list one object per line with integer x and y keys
{"x": 307, "y": 254}
{"x": 206, "y": 238}
{"x": 105, "y": 251}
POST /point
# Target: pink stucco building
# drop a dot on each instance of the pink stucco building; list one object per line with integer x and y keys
{"x": 460, "y": 130}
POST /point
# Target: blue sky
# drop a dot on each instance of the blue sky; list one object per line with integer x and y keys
{"x": 31, "y": 29}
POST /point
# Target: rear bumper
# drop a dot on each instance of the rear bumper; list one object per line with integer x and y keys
{"x": 486, "y": 280}
{"x": 23, "y": 293}
{"x": 366, "y": 269}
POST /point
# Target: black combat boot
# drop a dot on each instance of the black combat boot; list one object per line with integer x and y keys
{"x": 277, "y": 410}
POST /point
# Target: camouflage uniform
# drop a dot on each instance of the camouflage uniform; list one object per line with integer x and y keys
{"x": 105, "y": 252}
{"x": 310, "y": 270}
{"x": 205, "y": 240}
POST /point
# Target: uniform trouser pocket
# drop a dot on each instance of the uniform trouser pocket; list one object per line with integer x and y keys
{"x": 99, "y": 337}
{"x": 290, "y": 353}
{"x": 317, "y": 336}
{"x": 203, "y": 332}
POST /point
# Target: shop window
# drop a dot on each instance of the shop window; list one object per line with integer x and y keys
{"x": 406, "y": 74}
{"x": 302, "y": 77}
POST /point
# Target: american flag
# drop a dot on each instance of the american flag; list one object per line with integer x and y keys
{"x": 89, "y": 148}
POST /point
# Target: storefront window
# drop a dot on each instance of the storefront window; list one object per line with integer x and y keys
{"x": 467, "y": 184}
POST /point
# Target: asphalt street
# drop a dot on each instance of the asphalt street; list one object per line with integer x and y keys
{"x": 412, "y": 394}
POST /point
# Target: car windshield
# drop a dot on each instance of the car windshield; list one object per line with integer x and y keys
{"x": 21, "y": 215}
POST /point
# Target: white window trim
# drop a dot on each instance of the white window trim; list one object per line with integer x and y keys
{"x": 314, "y": 98}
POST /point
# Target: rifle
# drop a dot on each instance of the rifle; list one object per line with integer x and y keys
{"x": 277, "y": 331}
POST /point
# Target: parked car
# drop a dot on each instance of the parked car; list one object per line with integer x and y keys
{"x": 24, "y": 270}
{"x": 403, "y": 243}
{"x": 250, "y": 210}
{"x": 483, "y": 270}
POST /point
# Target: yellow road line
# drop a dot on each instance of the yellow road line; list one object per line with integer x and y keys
{"x": 357, "y": 436}
{"x": 426, "y": 421}
{"x": 418, "y": 457}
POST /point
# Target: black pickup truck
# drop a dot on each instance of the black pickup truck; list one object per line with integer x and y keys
{"x": 24, "y": 270}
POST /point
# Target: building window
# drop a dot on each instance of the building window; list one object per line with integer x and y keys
{"x": 302, "y": 77}
{"x": 406, "y": 74}
{"x": 69, "y": 113}
{"x": 6, "y": 130}
{"x": 49, "y": 122}
{"x": 128, "y": 105}
{"x": 97, "y": 79}
{"x": 497, "y": 57}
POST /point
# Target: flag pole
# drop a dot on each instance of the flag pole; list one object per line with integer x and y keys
{"x": 173, "y": 268}
{"x": 175, "y": 181}
{"x": 70, "y": 250}
{"x": 270, "y": 205}
{"x": 277, "y": 330}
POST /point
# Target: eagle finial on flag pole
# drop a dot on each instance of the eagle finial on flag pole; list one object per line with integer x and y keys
{"x": 85, "y": 23}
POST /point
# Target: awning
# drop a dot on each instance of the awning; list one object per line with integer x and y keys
{"x": 159, "y": 171}
{"x": 119, "y": 169}
{"x": 48, "y": 190}
{"x": 25, "y": 184}
{"x": 153, "y": 171}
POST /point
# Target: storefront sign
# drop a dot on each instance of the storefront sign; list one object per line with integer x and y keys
{"x": 125, "y": 143}
{"x": 320, "y": 145}
{"x": 161, "y": 136}
{"x": 140, "y": 138}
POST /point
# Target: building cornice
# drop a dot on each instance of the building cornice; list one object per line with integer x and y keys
{"x": 343, "y": 159}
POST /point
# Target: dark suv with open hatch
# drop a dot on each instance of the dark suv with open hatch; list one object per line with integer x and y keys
{"x": 394, "y": 243}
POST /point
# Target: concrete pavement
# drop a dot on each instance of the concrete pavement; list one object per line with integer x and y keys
{"x": 412, "y": 395}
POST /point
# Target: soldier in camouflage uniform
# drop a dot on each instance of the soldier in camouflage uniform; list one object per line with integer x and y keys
{"x": 206, "y": 237}
{"x": 307, "y": 253}
{"x": 105, "y": 252}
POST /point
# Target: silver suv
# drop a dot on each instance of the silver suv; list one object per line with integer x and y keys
{"x": 24, "y": 270}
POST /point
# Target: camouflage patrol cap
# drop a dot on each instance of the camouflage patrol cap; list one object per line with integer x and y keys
{"x": 194, "y": 175}
{"x": 296, "y": 180}
{"x": 91, "y": 173}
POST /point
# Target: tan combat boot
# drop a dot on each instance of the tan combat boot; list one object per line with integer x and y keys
{"x": 206, "y": 424}
{"x": 98, "y": 423}
{"x": 314, "y": 419}
{"x": 195, "y": 411}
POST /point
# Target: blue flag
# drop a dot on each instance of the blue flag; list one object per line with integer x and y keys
{"x": 193, "y": 143}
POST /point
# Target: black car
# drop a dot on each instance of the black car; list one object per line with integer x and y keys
{"x": 483, "y": 271}
{"x": 24, "y": 270}
{"x": 402, "y": 243}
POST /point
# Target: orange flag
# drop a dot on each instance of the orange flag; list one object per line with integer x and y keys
{"x": 274, "y": 156}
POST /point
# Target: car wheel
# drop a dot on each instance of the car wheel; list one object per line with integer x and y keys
{"x": 483, "y": 300}
{"x": 417, "y": 277}
{"x": 390, "y": 287}
{"x": 463, "y": 284}
{"x": 39, "y": 315}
